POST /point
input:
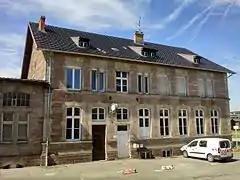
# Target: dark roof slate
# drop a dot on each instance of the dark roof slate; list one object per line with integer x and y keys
{"x": 59, "y": 39}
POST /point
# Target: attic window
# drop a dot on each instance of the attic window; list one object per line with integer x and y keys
{"x": 149, "y": 52}
{"x": 84, "y": 42}
{"x": 196, "y": 59}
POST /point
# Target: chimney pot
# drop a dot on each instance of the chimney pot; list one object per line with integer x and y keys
{"x": 41, "y": 23}
{"x": 138, "y": 37}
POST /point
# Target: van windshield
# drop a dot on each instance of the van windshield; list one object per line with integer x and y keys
{"x": 224, "y": 144}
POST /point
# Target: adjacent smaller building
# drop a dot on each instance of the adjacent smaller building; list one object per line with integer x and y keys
{"x": 22, "y": 114}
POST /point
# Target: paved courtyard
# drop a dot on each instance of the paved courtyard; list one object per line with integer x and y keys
{"x": 147, "y": 169}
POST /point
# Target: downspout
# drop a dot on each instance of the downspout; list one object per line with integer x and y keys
{"x": 48, "y": 116}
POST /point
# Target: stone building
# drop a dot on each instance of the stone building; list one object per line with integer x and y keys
{"x": 22, "y": 114}
{"x": 165, "y": 96}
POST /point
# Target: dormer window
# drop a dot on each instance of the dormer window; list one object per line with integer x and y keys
{"x": 149, "y": 52}
{"x": 84, "y": 42}
{"x": 196, "y": 59}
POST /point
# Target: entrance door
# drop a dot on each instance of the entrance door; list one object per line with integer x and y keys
{"x": 98, "y": 142}
{"x": 122, "y": 141}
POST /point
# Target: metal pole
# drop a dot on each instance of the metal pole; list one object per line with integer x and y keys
{"x": 46, "y": 153}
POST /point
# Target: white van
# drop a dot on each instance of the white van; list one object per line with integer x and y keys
{"x": 209, "y": 148}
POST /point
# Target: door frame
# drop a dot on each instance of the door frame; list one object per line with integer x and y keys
{"x": 128, "y": 138}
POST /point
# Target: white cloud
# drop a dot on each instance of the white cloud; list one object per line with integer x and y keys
{"x": 11, "y": 49}
{"x": 90, "y": 14}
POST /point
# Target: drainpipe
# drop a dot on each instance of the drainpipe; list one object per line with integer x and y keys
{"x": 48, "y": 119}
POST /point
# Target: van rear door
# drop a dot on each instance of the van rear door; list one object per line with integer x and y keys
{"x": 225, "y": 149}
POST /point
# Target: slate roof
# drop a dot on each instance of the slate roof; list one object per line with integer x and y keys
{"x": 59, "y": 39}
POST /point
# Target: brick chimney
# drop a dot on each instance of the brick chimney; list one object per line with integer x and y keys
{"x": 41, "y": 23}
{"x": 138, "y": 37}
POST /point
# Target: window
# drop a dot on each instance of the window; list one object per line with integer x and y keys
{"x": 164, "y": 86}
{"x": 98, "y": 114}
{"x": 224, "y": 144}
{"x": 164, "y": 122}
{"x": 140, "y": 79}
{"x": 193, "y": 144}
{"x": 209, "y": 88}
{"x": 22, "y": 127}
{"x": 144, "y": 118}
{"x": 203, "y": 144}
{"x": 214, "y": 122}
{"x": 143, "y": 83}
{"x": 7, "y": 127}
{"x": 182, "y": 86}
{"x": 98, "y": 80}
{"x": 205, "y": 87}
{"x": 149, "y": 52}
{"x": 122, "y": 114}
{"x": 201, "y": 88}
{"x": 121, "y": 81}
{"x": 16, "y": 99}
{"x": 73, "y": 124}
{"x": 74, "y": 79}
{"x": 182, "y": 118}
{"x": 199, "y": 121}
{"x": 84, "y": 42}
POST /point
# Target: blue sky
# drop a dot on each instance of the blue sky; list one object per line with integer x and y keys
{"x": 208, "y": 27}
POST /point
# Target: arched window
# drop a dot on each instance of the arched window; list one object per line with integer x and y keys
{"x": 73, "y": 123}
{"x": 199, "y": 115}
{"x": 144, "y": 121}
{"x": 182, "y": 118}
{"x": 164, "y": 122}
{"x": 98, "y": 114}
{"x": 214, "y": 121}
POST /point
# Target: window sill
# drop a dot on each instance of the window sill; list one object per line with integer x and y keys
{"x": 22, "y": 142}
{"x": 74, "y": 90}
{"x": 2, "y": 142}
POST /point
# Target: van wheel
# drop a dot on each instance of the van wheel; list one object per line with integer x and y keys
{"x": 185, "y": 154}
{"x": 210, "y": 158}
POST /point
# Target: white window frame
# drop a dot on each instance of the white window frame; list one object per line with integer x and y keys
{"x": 83, "y": 44}
{"x": 164, "y": 117}
{"x": 98, "y": 114}
{"x": 198, "y": 119}
{"x": 144, "y": 117}
{"x": 122, "y": 120}
{"x": 140, "y": 75}
{"x": 143, "y": 83}
{"x": 121, "y": 78}
{"x": 23, "y": 123}
{"x": 181, "y": 118}
{"x": 214, "y": 126}
{"x": 97, "y": 80}
{"x": 72, "y": 117}
{"x": 7, "y": 123}
{"x": 73, "y": 78}
{"x": 185, "y": 86}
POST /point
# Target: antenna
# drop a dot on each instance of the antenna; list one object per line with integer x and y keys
{"x": 139, "y": 24}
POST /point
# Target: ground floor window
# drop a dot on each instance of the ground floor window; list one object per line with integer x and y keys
{"x": 73, "y": 123}
{"x": 214, "y": 122}
{"x": 14, "y": 127}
